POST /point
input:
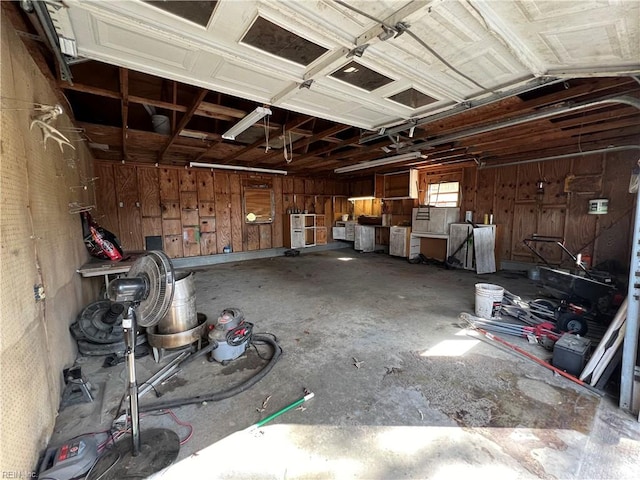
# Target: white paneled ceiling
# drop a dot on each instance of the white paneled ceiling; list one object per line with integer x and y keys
{"x": 452, "y": 51}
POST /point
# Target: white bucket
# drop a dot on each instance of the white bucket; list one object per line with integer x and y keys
{"x": 598, "y": 206}
{"x": 488, "y": 300}
{"x": 161, "y": 124}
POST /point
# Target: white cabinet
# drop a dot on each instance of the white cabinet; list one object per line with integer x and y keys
{"x": 434, "y": 219}
{"x": 345, "y": 230}
{"x": 299, "y": 230}
{"x": 365, "y": 238}
{"x": 400, "y": 241}
{"x": 414, "y": 246}
{"x": 339, "y": 233}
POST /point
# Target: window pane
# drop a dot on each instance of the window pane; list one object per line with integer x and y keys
{"x": 444, "y": 194}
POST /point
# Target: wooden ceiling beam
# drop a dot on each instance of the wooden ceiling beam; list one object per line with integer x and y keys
{"x": 514, "y": 106}
{"x": 220, "y": 112}
{"x": 174, "y": 100}
{"x": 291, "y": 125}
{"x": 536, "y": 138}
{"x": 606, "y": 115}
{"x": 306, "y": 147}
{"x": 184, "y": 120}
{"x": 559, "y": 150}
{"x": 124, "y": 103}
{"x": 78, "y": 87}
{"x": 337, "y": 128}
{"x": 506, "y": 149}
{"x": 206, "y": 109}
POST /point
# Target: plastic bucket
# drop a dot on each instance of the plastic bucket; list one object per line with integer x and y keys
{"x": 488, "y": 300}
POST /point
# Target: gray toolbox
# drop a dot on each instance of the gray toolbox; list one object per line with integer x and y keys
{"x": 571, "y": 353}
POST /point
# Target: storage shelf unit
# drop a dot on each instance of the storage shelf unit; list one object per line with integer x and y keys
{"x": 303, "y": 230}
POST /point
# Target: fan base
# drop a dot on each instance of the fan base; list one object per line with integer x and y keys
{"x": 159, "y": 448}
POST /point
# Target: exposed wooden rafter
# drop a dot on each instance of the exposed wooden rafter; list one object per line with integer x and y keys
{"x": 183, "y": 121}
{"x": 124, "y": 92}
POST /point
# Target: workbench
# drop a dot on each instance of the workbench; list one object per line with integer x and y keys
{"x": 98, "y": 268}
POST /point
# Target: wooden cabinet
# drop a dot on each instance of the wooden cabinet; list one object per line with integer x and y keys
{"x": 397, "y": 185}
{"x": 365, "y": 238}
{"x": 321, "y": 230}
{"x": 399, "y": 241}
{"x": 434, "y": 219}
{"x": 345, "y": 231}
{"x": 304, "y": 230}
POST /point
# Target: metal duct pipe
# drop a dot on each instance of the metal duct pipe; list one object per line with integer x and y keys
{"x": 463, "y": 107}
{"x": 484, "y": 166}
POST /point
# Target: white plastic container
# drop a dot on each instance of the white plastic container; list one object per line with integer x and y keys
{"x": 488, "y": 300}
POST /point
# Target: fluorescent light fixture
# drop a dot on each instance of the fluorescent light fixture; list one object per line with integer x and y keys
{"x": 99, "y": 146}
{"x": 236, "y": 167}
{"x": 379, "y": 162}
{"x": 194, "y": 134}
{"x": 353, "y": 199}
{"x": 245, "y": 123}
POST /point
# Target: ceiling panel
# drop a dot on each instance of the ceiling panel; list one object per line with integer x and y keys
{"x": 472, "y": 57}
{"x": 120, "y": 40}
{"x": 585, "y": 36}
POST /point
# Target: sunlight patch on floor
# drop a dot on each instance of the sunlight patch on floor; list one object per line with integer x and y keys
{"x": 450, "y": 348}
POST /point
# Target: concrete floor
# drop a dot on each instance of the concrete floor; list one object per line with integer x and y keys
{"x": 401, "y": 391}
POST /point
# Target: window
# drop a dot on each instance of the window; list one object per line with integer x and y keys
{"x": 196, "y": 11}
{"x": 412, "y": 98}
{"x": 445, "y": 194}
{"x": 276, "y": 40}
{"x": 361, "y": 76}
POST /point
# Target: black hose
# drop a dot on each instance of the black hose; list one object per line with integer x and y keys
{"x": 230, "y": 392}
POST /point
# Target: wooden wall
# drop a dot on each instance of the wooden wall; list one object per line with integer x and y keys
{"x": 200, "y": 212}
{"x": 510, "y": 194}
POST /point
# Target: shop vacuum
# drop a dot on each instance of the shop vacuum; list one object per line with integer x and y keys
{"x": 229, "y": 336}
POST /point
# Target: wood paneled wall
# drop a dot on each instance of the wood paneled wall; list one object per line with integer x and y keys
{"x": 510, "y": 194}
{"x": 200, "y": 212}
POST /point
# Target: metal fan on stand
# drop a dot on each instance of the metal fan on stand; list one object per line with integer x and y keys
{"x": 146, "y": 293}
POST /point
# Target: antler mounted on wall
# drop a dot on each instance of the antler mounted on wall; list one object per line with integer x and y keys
{"x": 48, "y": 114}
